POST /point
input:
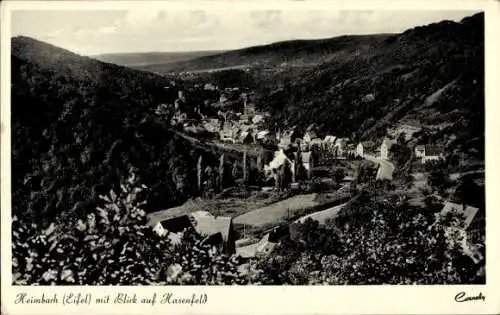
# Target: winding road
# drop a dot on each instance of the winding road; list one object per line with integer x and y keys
{"x": 385, "y": 169}
{"x": 322, "y": 216}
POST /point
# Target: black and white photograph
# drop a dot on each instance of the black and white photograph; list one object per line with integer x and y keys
{"x": 253, "y": 147}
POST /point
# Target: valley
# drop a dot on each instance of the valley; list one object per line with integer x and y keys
{"x": 338, "y": 161}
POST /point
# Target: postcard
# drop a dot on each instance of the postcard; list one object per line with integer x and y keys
{"x": 250, "y": 157}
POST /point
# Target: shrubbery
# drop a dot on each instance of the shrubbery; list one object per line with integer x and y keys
{"x": 114, "y": 246}
{"x": 382, "y": 243}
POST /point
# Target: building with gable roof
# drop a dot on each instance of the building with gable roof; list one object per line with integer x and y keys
{"x": 429, "y": 153}
{"x": 360, "y": 150}
{"x": 472, "y": 228}
{"x": 217, "y": 231}
{"x": 473, "y": 219}
{"x": 307, "y": 162}
{"x": 309, "y": 136}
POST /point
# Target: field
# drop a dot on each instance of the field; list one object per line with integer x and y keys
{"x": 287, "y": 209}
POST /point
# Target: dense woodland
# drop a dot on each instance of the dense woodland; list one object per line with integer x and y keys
{"x": 399, "y": 72}
{"x": 77, "y": 124}
{"x": 80, "y": 125}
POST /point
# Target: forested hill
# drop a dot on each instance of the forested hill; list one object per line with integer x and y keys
{"x": 431, "y": 76}
{"x": 78, "y": 124}
{"x": 294, "y": 53}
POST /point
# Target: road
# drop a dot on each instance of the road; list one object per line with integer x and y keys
{"x": 322, "y": 216}
{"x": 385, "y": 169}
{"x": 251, "y": 150}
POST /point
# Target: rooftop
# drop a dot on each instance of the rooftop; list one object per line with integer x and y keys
{"x": 467, "y": 211}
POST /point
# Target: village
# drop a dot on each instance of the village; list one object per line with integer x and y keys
{"x": 318, "y": 175}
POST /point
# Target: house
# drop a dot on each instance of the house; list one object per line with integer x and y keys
{"x": 316, "y": 142}
{"x": 244, "y": 118}
{"x": 229, "y": 131}
{"x": 276, "y": 168}
{"x": 329, "y": 141}
{"x": 340, "y": 146}
{"x": 217, "y": 231}
{"x": 473, "y": 219}
{"x": 262, "y": 134}
{"x": 420, "y": 151}
{"x": 368, "y": 98}
{"x": 429, "y": 153}
{"x": 359, "y": 150}
{"x": 309, "y": 136}
{"x": 245, "y": 137}
{"x": 471, "y": 229}
{"x": 307, "y": 161}
{"x": 286, "y": 139}
{"x": 211, "y": 125}
{"x": 385, "y": 147}
{"x": 262, "y": 248}
{"x": 257, "y": 119}
{"x": 210, "y": 87}
{"x": 174, "y": 225}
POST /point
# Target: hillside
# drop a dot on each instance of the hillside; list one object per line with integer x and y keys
{"x": 430, "y": 76}
{"x": 295, "y": 53}
{"x": 150, "y": 59}
{"x": 77, "y": 126}
{"x": 78, "y": 123}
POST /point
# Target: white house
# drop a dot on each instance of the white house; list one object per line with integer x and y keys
{"x": 420, "y": 151}
{"x": 307, "y": 161}
{"x": 340, "y": 146}
{"x": 429, "y": 153}
{"x": 359, "y": 150}
{"x": 256, "y": 119}
{"x": 309, "y": 136}
{"x": 286, "y": 139}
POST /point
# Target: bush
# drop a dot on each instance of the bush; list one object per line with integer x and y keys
{"x": 114, "y": 246}
{"x": 385, "y": 242}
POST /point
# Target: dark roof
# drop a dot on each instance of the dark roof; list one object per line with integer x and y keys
{"x": 159, "y": 216}
{"x": 213, "y": 239}
{"x": 207, "y": 225}
{"x": 312, "y": 134}
{"x": 467, "y": 211}
{"x": 177, "y": 224}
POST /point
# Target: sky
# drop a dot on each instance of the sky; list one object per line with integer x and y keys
{"x": 99, "y": 32}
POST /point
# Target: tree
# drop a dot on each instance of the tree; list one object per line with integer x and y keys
{"x": 438, "y": 179}
{"x": 386, "y": 242}
{"x": 114, "y": 246}
{"x": 469, "y": 193}
{"x": 339, "y": 175}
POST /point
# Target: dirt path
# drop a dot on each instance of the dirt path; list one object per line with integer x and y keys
{"x": 385, "y": 169}
{"x": 322, "y": 216}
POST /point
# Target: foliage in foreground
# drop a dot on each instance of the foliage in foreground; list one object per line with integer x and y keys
{"x": 371, "y": 242}
{"x": 114, "y": 246}
{"x": 381, "y": 243}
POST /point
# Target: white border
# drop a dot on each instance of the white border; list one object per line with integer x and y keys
{"x": 277, "y": 300}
